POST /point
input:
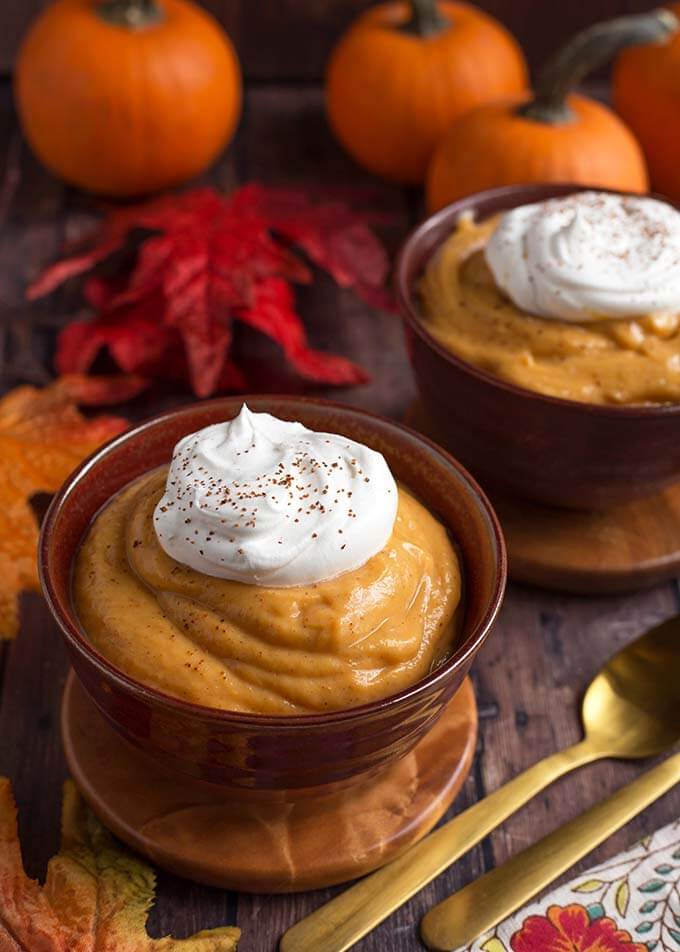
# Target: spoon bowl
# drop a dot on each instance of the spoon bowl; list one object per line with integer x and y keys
{"x": 632, "y": 706}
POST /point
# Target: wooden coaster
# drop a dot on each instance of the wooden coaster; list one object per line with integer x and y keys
{"x": 623, "y": 549}
{"x": 199, "y": 831}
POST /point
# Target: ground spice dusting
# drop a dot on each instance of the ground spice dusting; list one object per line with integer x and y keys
{"x": 251, "y": 498}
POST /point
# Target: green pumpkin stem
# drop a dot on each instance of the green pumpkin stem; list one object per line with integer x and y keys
{"x": 133, "y": 14}
{"x": 426, "y": 19}
{"x": 584, "y": 53}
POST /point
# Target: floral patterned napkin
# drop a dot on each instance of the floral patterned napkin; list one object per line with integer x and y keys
{"x": 629, "y": 904}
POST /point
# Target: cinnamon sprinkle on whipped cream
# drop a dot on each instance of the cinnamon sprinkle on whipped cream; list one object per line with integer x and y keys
{"x": 589, "y": 256}
{"x": 272, "y": 503}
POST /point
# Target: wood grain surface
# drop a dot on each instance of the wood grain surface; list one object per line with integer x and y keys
{"x": 284, "y": 40}
{"x": 530, "y": 673}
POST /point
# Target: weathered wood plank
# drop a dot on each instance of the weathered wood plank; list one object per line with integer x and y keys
{"x": 284, "y": 40}
{"x": 285, "y": 140}
{"x": 30, "y": 235}
{"x": 30, "y": 752}
{"x": 16, "y": 251}
{"x": 556, "y": 644}
{"x": 8, "y": 174}
{"x": 34, "y": 665}
{"x": 280, "y": 40}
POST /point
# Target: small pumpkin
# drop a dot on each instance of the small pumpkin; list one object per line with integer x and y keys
{"x": 646, "y": 93}
{"x": 553, "y": 135}
{"x": 404, "y": 71}
{"x": 125, "y": 97}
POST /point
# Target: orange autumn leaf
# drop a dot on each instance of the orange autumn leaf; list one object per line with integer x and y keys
{"x": 96, "y": 895}
{"x": 43, "y": 437}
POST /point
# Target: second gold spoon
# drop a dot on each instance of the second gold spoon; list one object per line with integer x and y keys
{"x": 463, "y": 917}
{"x": 631, "y": 709}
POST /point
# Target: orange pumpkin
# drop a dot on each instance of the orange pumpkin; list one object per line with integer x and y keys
{"x": 646, "y": 92}
{"x": 125, "y": 97}
{"x": 551, "y": 136}
{"x": 404, "y": 71}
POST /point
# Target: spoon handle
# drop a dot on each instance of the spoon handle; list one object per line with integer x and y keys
{"x": 340, "y": 923}
{"x": 473, "y": 910}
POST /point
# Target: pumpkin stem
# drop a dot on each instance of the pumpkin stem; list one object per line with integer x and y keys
{"x": 585, "y": 52}
{"x": 134, "y": 14}
{"x": 426, "y": 19}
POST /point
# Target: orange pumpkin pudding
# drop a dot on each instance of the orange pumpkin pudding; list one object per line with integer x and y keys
{"x": 271, "y": 570}
{"x": 576, "y": 297}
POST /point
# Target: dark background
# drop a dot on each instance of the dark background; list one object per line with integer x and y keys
{"x": 289, "y": 40}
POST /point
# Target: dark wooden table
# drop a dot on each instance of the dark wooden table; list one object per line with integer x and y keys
{"x": 531, "y": 672}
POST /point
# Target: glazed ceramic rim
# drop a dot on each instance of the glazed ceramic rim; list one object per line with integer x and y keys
{"x": 406, "y": 297}
{"x": 78, "y": 640}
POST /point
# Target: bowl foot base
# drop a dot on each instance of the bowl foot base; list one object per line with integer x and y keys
{"x": 223, "y": 839}
{"x": 588, "y": 552}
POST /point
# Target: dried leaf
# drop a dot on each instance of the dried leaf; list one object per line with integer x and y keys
{"x": 209, "y": 261}
{"x": 96, "y": 895}
{"x": 43, "y": 437}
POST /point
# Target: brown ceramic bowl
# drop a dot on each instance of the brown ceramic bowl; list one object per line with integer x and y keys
{"x": 517, "y": 441}
{"x": 260, "y": 752}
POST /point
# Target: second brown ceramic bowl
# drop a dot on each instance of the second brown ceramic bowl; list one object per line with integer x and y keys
{"x": 520, "y": 442}
{"x": 257, "y": 752}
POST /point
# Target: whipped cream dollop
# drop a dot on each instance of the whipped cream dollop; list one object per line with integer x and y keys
{"x": 268, "y": 502}
{"x": 589, "y": 256}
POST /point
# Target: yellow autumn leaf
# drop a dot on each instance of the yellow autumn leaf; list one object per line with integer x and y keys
{"x": 622, "y": 896}
{"x": 588, "y": 886}
{"x": 96, "y": 895}
{"x": 43, "y": 437}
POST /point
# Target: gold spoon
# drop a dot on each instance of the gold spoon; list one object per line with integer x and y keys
{"x": 459, "y": 920}
{"x": 630, "y": 709}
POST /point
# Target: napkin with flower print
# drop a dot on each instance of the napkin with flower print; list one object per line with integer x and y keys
{"x": 629, "y": 904}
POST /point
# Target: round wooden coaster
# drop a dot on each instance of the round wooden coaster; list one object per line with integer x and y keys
{"x": 622, "y": 549}
{"x": 198, "y": 831}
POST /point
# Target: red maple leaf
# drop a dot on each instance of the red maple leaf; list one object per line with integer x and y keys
{"x": 209, "y": 260}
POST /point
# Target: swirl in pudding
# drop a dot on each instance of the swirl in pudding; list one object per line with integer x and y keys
{"x": 296, "y": 577}
{"x": 575, "y": 297}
